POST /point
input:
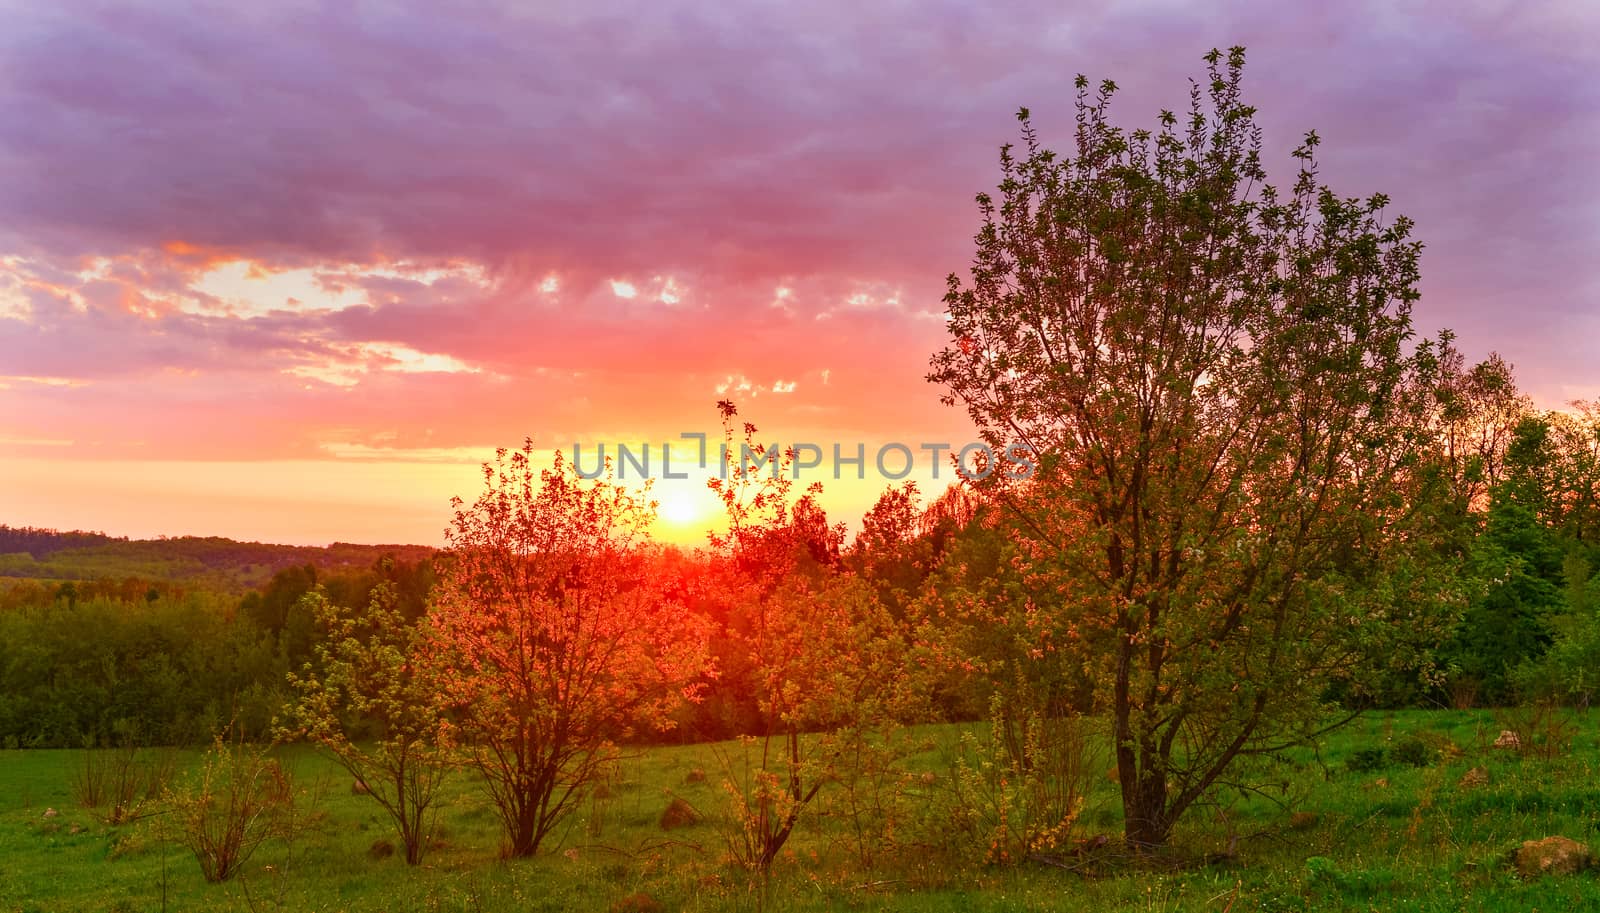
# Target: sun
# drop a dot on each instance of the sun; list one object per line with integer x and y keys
{"x": 680, "y": 507}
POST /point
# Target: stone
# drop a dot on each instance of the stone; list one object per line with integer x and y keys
{"x": 1552, "y": 856}
{"x": 1474, "y": 778}
{"x": 1508, "y": 740}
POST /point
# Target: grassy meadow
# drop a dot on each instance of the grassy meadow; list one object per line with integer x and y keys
{"x": 1352, "y": 828}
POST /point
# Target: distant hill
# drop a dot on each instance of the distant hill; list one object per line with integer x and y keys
{"x": 46, "y": 554}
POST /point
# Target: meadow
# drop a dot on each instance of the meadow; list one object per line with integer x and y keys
{"x": 1379, "y": 819}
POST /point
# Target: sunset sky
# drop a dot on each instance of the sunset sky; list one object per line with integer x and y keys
{"x": 288, "y": 272}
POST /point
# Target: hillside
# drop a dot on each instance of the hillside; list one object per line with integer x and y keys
{"x": 44, "y": 554}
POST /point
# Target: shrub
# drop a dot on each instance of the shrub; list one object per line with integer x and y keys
{"x": 1413, "y": 752}
{"x": 1544, "y": 729}
{"x": 237, "y": 802}
{"x": 1023, "y": 793}
{"x": 1366, "y": 760}
{"x": 125, "y": 780}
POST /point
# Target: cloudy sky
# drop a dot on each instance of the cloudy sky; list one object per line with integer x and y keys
{"x": 288, "y": 271}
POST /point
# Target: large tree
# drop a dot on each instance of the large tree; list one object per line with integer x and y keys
{"x": 1219, "y": 387}
{"x": 558, "y": 638}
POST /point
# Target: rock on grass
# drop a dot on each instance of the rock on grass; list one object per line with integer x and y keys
{"x": 677, "y": 814}
{"x": 381, "y": 849}
{"x": 1552, "y": 856}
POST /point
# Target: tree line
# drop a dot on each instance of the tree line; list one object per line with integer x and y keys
{"x": 943, "y": 587}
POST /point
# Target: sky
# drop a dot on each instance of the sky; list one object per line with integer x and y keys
{"x": 289, "y": 272}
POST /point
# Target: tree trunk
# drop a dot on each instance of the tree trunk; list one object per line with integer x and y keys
{"x": 1142, "y": 776}
{"x": 1146, "y": 820}
{"x": 525, "y": 836}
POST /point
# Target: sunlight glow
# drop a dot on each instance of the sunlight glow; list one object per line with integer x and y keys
{"x": 412, "y": 361}
{"x": 14, "y": 303}
{"x": 671, "y": 292}
{"x": 369, "y": 357}
{"x": 246, "y": 289}
{"x": 680, "y": 507}
{"x": 8, "y": 381}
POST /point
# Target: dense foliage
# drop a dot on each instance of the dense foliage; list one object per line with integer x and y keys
{"x": 170, "y": 663}
{"x": 553, "y": 639}
{"x": 177, "y": 659}
{"x": 1219, "y": 387}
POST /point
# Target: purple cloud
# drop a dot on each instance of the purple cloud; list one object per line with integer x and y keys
{"x": 830, "y": 150}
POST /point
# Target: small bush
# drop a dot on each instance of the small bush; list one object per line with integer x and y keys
{"x": 1414, "y": 752}
{"x": 1545, "y": 729}
{"x": 1022, "y": 793}
{"x": 131, "y": 842}
{"x": 237, "y": 802}
{"x": 122, "y": 783}
{"x": 1366, "y": 760}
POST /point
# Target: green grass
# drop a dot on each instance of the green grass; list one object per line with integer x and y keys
{"x": 1399, "y": 838}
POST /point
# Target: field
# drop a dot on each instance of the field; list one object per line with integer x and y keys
{"x": 1390, "y": 837}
